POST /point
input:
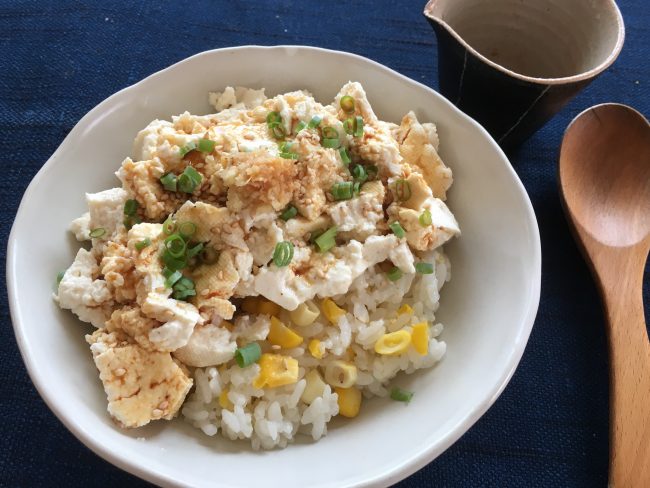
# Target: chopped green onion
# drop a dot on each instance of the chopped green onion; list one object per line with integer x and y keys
{"x": 331, "y": 143}
{"x": 186, "y": 229}
{"x": 343, "y": 190}
{"x": 273, "y": 119}
{"x": 394, "y": 274}
{"x": 140, "y": 245}
{"x": 176, "y": 246}
{"x": 171, "y": 277}
{"x": 326, "y": 240}
{"x": 288, "y": 155}
{"x": 169, "y": 226}
{"x": 193, "y": 251}
{"x": 314, "y": 122}
{"x": 285, "y": 146}
{"x": 359, "y": 173}
{"x": 400, "y": 395}
{"x": 173, "y": 263}
{"x": 194, "y": 175}
{"x": 348, "y": 126}
{"x": 356, "y": 189}
{"x": 169, "y": 182}
{"x": 345, "y": 157}
{"x": 59, "y": 277}
{"x": 98, "y": 232}
{"x": 206, "y": 145}
{"x": 397, "y": 229}
{"x": 289, "y": 213}
{"x": 347, "y": 103}
{"x": 131, "y": 220}
{"x": 425, "y": 218}
{"x": 183, "y": 294}
{"x": 424, "y": 268}
{"x": 189, "y": 180}
{"x": 190, "y": 146}
{"x": 184, "y": 283}
{"x": 131, "y": 207}
{"x": 278, "y": 131}
{"x": 330, "y": 132}
{"x": 372, "y": 171}
{"x": 247, "y": 355}
{"x": 299, "y": 126}
{"x": 402, "y": 190}
{"x": 209, "y": 255}
{"x": 358, "y": 126}
{"x": 283, "y": 254}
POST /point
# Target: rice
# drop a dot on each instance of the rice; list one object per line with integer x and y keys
{"x": 271, "y": 418}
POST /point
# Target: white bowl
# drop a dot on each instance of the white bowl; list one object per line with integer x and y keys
{"x": 488, "y": 308}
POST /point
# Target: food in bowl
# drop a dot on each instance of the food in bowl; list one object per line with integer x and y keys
{"x": 282, "y": 257}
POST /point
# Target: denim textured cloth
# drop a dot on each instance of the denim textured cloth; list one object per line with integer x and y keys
{"x": 60, "y": 58}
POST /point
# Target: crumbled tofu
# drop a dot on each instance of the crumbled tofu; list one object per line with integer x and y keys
{"x": 117, "y": 267}
{"x": 356, "y": 91}
{"x": 206, "y": 217}
{"x": 239, "y": 97}
{"x": 81, "y": 292}
{"x": 106, "y": 210}
{"x": 179, "y": 320}
{"x": 141, "y": 385}
{"x": 443, "y": 228}
{"x": 209, "y": 345}
{"x": 380, "y": 148}
{"x": 262, "y": 242}
{"x": 359, "y": 216}
{"x": 130, "y": 321}
{"x": 80, "y": 227}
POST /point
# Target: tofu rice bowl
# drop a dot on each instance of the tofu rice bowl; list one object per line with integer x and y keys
{"x": 266, "y": 268}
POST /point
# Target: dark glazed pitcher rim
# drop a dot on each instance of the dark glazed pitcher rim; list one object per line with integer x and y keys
{"x": 537, "y": 80}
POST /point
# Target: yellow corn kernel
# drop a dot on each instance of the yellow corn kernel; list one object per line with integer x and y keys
{"x": 393, "y": 343}
{"x": 341, "y": 374}
{"x": 315, "y": 348}
{"x": 267, "y": 307}
{"x": 314, "y": 387}
{"x": 283, "y": 336}
{"x": 405, "y": 309}
{"x": 305, "y": 314}
{"x": 250, "y": 304}
{"x": 224, "y": 401}
{"x": 349, "y": 400}
{"x": 420, "y": 338}
{"x": 331, "y": 310}
{"x": 276, "y": 370}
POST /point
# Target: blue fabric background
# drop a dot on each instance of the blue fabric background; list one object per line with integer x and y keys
{"x": 59, "y": 59}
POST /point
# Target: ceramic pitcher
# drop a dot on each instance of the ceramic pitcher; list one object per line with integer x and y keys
{"x": 513, "y": 64}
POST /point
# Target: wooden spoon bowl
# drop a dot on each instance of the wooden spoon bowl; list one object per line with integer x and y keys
{"x": 604, "y": 176}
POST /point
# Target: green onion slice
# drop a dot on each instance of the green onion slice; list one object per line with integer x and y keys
{"x": 283, "y": 254}
{"x": 186, "y": 229}
{"x": 59, "y": 277}
{"x": 285, "y": 146}
{"x": 131, "y": 207}
{"x": 278, "y": 131}
{"x": 326, "y": 240}
{"x": 397, "y": 229}
{"x": 394, "y": 274}
{"x": 358, "y": 126}
{"x": 288, "y": 155}
{"x": 348, "y": 126}
{"x": 343, "y": 190}
{"x": 131, "y": 220}
{"x": 299, "y": 126}
{"x": 183, "y": 294}
{"x": 289, "y": 213}
{"x": 356, "y": 189}
{"x": 140, "y": 245}
{"x": 169, "y": 226}
{"x": 169, "y": 182}
{"x": 193, "y": 251}
{"x": 372, "y": 171}
{"x": 194, "y": 175}
{"x": 402, "y": 190}
{"x": 424, "y": 268}
{"x": 330, "y": 132}
{"x": 188, "y": 181}
{"x": 247, "y": 355}
{"x": 176, "y": 246}
{"x": 171, "y": 277}
{"x": 359, "y": 173}
{"x": 425, "y": 218}
{"x": 331, "y": 143}
{"x": 206, "y": 145}
{"x": 98, "y": 232}
{"x": 400, "y": 395}
{"x": 347, "y": 103}
{"x": 190, "y": 146}
{"x": 209, "y": 255}
{"x": 173, "y": 263}
{"x": 184, "y": 283}
{"x": 273, "y": 119}
{"x": 314, "y": 122}
{"x": 345, "y": 156}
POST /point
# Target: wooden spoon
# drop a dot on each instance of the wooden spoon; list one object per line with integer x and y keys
{"x": 605, "y": 183}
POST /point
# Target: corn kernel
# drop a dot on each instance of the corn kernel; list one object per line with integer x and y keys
{"x": 420, "y": 338}
{"x": 349, "y": 400}
{"x": 224, "y": 401}
{"x": 305, "y": 314}
{"x": 341, "y": 374}
{"x": 332, "y": 311}
{"x": 393, "y": 343}
{"x": 267, "y": 307}
{"x": 283, "y": 336}
{"x": 315, "y": 348}
{"x": 314, "y": 387}
{"x": 276, "y": 370}
{"x": 405, "y": 309}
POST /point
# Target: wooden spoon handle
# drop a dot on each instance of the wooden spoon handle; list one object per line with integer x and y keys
{"x": 620, "y": 276}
